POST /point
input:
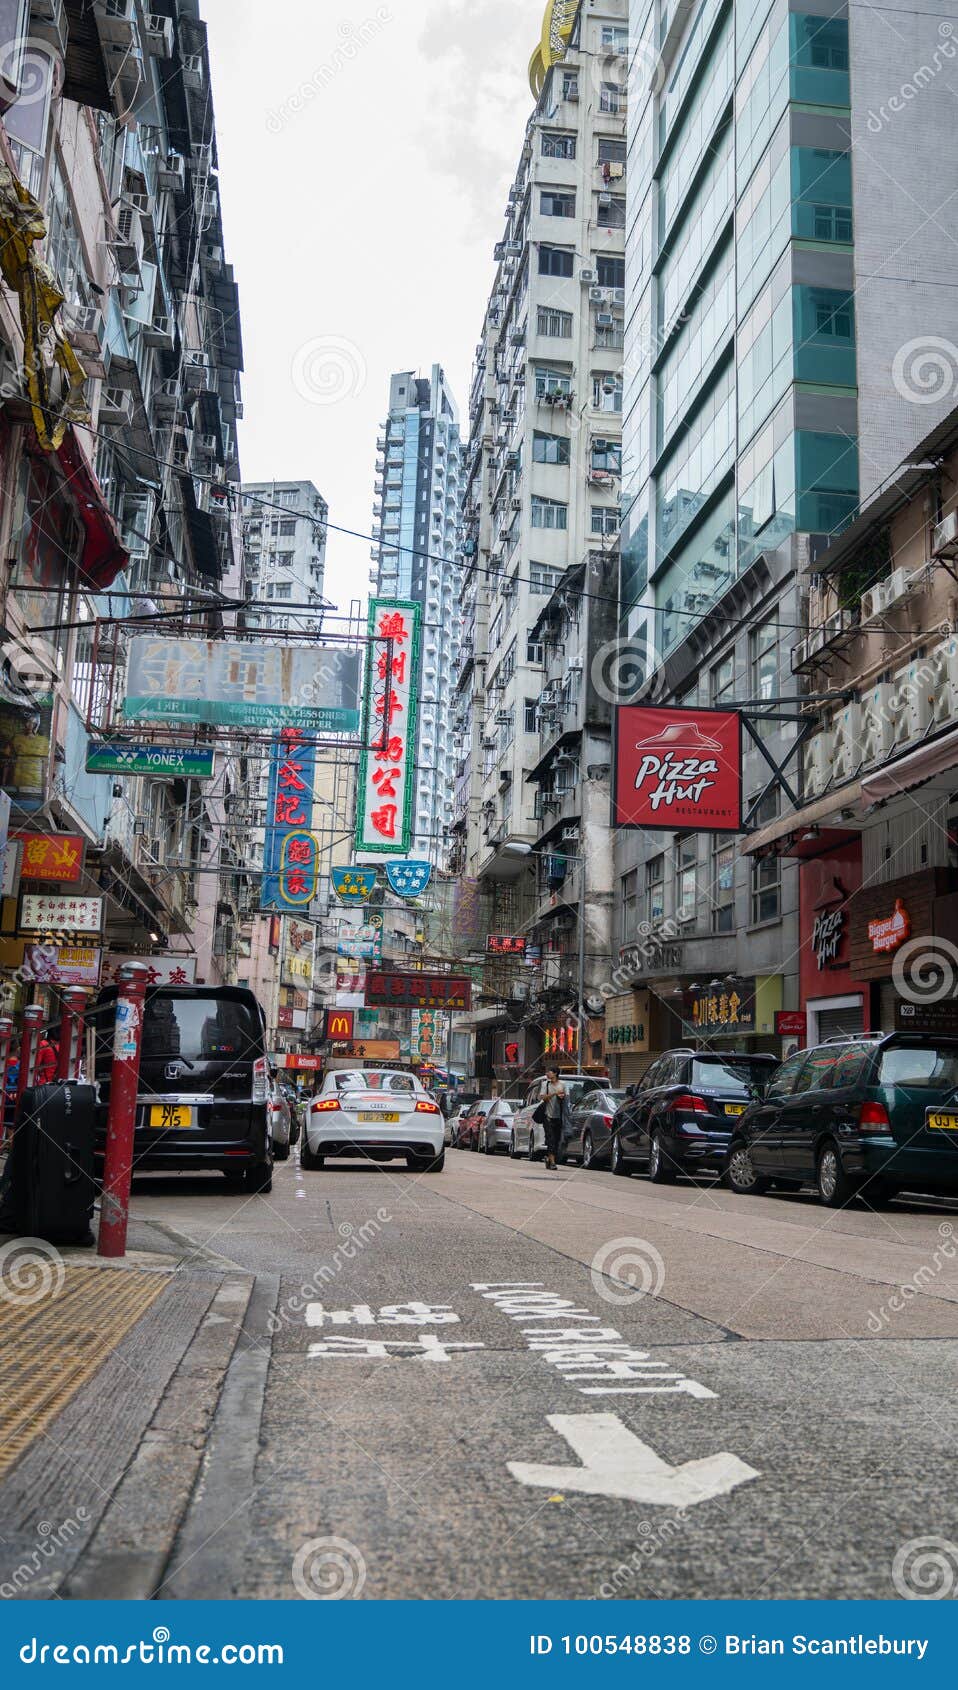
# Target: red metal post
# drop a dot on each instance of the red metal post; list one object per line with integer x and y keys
{"x": 29, "y": 1045}
{"x": 72, "y": 1021}
{"x": 121, "y": 1118}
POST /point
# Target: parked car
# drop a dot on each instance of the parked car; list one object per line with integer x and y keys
{"x": 681, "y": 1116}
{"x": 296, "y": 1103}
{"x": 280, "y": 1121}
{"x": 528, "y": 1137}
{"x": 470, "y": 1127}
{"x": 375, "y": 1115}
{"x": 875, "y": 1116}
{"x": 496, "y": 1128}
{"x": 589, "y": 1137}
{"x": 204, "y": 1082}
{"x": 455, "y": 1123}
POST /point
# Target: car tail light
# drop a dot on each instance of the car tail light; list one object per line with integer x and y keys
{"x": 607, "y": 1120}
{"x": 690, "y": 1104}
{"x": 327, "y": 1103}
{"x": 873, "y": 1118}
{"x": 261, "y": 1080}
{"x": 425, "y": 1108}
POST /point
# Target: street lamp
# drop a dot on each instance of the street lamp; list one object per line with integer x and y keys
{"x": 518, "y": 848}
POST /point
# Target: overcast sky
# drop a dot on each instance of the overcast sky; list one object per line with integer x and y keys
{"x": 361, "y": 225}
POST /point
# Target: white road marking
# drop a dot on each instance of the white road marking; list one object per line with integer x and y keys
{"x": 616, "y": 1463}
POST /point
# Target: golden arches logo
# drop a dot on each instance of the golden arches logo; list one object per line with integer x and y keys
{"x": 557, "y": 27}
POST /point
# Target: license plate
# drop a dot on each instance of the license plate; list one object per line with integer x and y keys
{"x": 370, "y": 1115}
{"x": 735, "y": 1109}
{"x": 943, "y": 1122}
{"x": 171, "y": 1115}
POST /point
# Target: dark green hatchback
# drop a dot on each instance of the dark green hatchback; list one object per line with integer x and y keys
{"x": 876, "y": 1116}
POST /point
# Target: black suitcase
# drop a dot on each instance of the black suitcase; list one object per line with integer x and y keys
{"x": 53, "y": 1184}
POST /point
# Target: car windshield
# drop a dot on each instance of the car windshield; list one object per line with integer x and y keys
{"x": 934, "y": 1067}
{"x": 372, "y": 1080}
{"x": 740, "y": 1076}
{"x": 200, "y": 1030}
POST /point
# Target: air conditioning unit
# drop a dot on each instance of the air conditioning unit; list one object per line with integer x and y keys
{"x": 605, "y": 201}
{"x": 513, "y": 249}
{"x": 835, "y": 626}
{"x": 48, "y": 21}
{"x": 116, "y": 20}
{"x": 517, "y": 504}
{"x": 86, "y": 332}
{"x": 518, "y": 337}
{"x": 489, "y": 742}
{"x": 193, "y": 76}
{"x": 942, "y": 670}
{"x": 171, "y": 173}
{"x": 588, "y": 277}
{"x": 508, "y": 589}
{"x": 116, "y": 406}
{"x": 597, "y": 296}
{"x": 504, "y": 718}
{"x": 876, "y": 729}
{"x": 160, "y": 333}
{"x": 604, "y": 320}
{"x": 196, "y": 366}
{"x": 213, "y": 258}
{"x": 817, "y": 764}
{"x": 945, "y": 538}
{"x": 166, "y": 398}
{"x": 881, "y": 598}
{"x": 126, "y": 242}
{"x": 159, "y": 35}
{"x": 618, "y": 296}
{"x": 846, "y": 742}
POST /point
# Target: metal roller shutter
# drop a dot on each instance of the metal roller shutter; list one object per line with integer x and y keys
{"x": 840, "y": 1023}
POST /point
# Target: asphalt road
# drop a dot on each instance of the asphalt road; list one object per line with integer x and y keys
{"x": 491, "y": 1382}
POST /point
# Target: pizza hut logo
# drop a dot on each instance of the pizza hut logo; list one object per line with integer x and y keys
{"x": 678, "y": 768}
{"x": 678, "y": 765}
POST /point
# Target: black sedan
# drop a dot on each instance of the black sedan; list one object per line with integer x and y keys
{"x": 681, "y": 1117}
{"x": 589, "y": 1134}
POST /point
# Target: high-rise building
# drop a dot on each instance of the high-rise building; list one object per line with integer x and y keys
{"x": 284, "y": 530}
{"x": 541, "y": 490}
{"x": 786, "y": 278}
{"x": 416, "y": 556}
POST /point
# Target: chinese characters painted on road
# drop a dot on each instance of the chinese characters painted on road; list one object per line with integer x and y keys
{"x": 387, "y": 769}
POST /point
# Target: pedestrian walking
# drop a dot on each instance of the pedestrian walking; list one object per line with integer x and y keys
{"x": 555, "y": 1107}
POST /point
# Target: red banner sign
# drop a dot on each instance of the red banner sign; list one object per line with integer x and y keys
{"x": 506, "y": 944}
{"x": 417, "y": 991}
{"x": 340, "y": 1024}
{"x": 791, "y": 1023}
{"x": 679, "y": 769}
{"x": 56, "y": 857}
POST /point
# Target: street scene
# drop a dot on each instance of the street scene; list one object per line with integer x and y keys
{"x": 479, "y": 808}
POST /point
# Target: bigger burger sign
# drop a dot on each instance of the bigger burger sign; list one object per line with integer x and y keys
{"x": 679, "y": 769}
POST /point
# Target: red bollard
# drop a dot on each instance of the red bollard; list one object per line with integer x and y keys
{"x": 72, "y": 1021}
{"x": 29, "y": 1043}
{"x": 121, "y": 1119}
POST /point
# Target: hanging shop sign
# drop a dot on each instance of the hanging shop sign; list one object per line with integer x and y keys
{"x": 51, "y": 856}
{"x": 163, "y": 762}
{"x": 339, "y": 1024}
{"x": 627, "y": 1022}
{"x": 729, "y": 1010}
{"x": 299, "y": 947}
{"x": 232, "y": 683}
{"x": 168, "y": 970}
{"x": 43, "y": 913}
{"x": 678, "y": 768}
{"x": 372, "y": 1050}
{"x": 62, "y": 965}
{"x": 298, "y": 1062}
{"x": 417, "y": 991}
{"x": 291, "y": 849}
{"x": 890, "y": 931}
{"x": 791, "y": 1024}
{"x": 561, "y": 1041}
{"x": 506, "y": 944}
{"x": 353, "y": 885}
{"x": 384, "y": 811}
{"x": 409, "y": 880}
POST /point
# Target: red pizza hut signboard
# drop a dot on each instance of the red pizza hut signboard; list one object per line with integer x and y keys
{"x": 417, "y": 991}
{"x": 679, "y": 769}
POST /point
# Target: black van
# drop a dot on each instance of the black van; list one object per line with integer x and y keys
{"x": 204, "y": 1082}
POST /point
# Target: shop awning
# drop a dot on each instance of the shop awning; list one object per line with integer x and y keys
{"x": 789, "y": 834}
{"x": 936, "y": 762}
{"x": 104, "y": 555}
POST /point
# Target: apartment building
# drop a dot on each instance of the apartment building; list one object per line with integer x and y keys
{"x": 777, "y": 302}
{"x": 118, "y": 453}
{"x": 541, "y": 490}
{"x": 416, "y": 556}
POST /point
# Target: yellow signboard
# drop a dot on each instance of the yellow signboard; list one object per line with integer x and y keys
{"x": 557, "y": 28}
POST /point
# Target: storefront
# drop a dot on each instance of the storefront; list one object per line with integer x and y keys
{"x": 626, "y": 1044}
{"x": 903, "y": 935}
{"x": 741, "y": 1011}
{"x": 834, "y": 992}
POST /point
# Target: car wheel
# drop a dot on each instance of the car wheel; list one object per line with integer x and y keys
{"x": 477, "y": 1143}
{"x": 531, "y": 1152}
{"x": 741, "y": 1174}
{"x": 619, "y": 1163}
{"x": 490, "y": 1148}
{"x": 588, "y": 1150}
{"x": 280, "y": 1152}
{"x": 661, "y": 1170}
{"x": 259, "y": 1178}
{"x": 834, "y": 1185}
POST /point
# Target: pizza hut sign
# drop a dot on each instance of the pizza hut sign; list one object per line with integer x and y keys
{"x": 679, "y": 768}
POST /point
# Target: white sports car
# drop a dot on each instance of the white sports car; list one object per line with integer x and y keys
{"x": 376, "y": 1115}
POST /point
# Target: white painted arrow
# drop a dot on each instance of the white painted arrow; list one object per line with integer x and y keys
{"x": 617, "y": 1463}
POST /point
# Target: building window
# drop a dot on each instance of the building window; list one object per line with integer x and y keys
{"x": 607, "y": 390}
{"x": 557, "y": 146}
{"x": 550, "y": 382}
{"x": 284, "y": 589}
{"x": 767, "y": 889}
{"x": 723, "y": 883}
{"x": 655, "y": 889}
{"x": 285, "y": 560}
{"x": 835, "y": 323}
{"x": 553, "y": 203}
{"x": 616, "y": 36}
{"x": 557, "y": 324}
{"x": 722, "y": 681}
{"x": 610, "y": 211}
{"x": 610, "y": 271}
{"x": 550, "y": 449}
{"x": 765, "y": 681}
{"x": 611, "y": 151}
{"x": 686, "y": 878}
{"x": 605, "y": 519}
{"x": 570, "y": 85}
{"x": 287, "y": 527}
{"x": 534, "y": 653}
{"x": 549, "y": 513}
{"x": 495, "y": 631}
{"x": 556, "y": 261}
{"x": 541, "y": 578}
{"x": 612, "y": 98}
{"x": 530, "y": 715}
{"x": 607, "y": 457}
{"x": 630, "y": 905}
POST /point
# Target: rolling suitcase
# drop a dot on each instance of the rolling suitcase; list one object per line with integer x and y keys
{"x": 57, "y": 1166}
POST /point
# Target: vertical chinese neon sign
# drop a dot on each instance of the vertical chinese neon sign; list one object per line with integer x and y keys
{"x": 384, "y": 810}
{"x": 291, "y": 851}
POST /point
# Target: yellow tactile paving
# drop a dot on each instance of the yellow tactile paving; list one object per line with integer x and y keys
{"x": 58, "y": 1324}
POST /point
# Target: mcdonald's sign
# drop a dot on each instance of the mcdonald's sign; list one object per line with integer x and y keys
{"x": 340, "y": 1024}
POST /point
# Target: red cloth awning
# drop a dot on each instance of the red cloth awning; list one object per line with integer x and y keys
{"x": 104, "y": 555}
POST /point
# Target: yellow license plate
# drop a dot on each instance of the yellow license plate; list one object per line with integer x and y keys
{"x": 171, "y": 1115}
{"x": 371, "y": 1115}
{"x": 735, "y": 1109}
{"x": 943, "y": 1123}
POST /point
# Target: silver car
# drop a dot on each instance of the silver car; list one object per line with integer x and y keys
{"x": 280, "y": 1118}
{"x": 496, "y": 1130}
